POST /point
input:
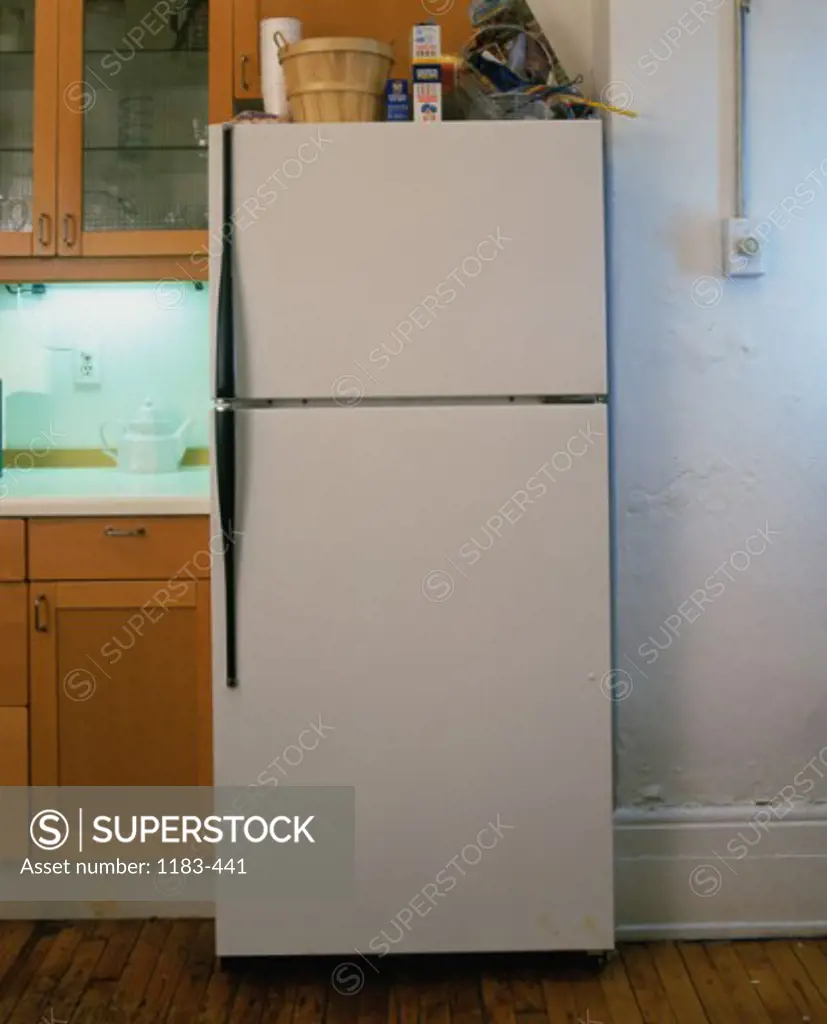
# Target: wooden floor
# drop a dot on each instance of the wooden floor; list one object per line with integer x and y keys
{"x": 158, "y": 971}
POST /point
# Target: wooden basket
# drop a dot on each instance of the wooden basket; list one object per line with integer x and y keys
{"x": 335, "y": 79}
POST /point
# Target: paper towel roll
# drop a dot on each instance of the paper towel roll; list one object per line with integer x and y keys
{"x": 272, "y": 76}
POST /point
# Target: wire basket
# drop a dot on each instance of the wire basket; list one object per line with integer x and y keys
{"x": 519, "y": 106}
{"x": 478, "y": 102}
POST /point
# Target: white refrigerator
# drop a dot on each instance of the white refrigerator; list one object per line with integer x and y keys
{"x": 410, "y": 453}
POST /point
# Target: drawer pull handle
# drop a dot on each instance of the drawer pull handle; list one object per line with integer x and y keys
{"x": 245, "y": 60}
{"x": 41, "y": 623}
{"x": 113, "y": 531}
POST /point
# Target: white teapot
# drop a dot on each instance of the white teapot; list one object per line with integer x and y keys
{"x": 150, "y": 443}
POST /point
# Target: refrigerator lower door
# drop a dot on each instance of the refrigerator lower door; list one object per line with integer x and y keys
{"x": 423, "y": 614}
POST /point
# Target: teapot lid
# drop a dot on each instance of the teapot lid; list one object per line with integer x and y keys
{"x": 151, "y": 420}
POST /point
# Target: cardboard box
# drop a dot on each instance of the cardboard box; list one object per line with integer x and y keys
{"x": 427, "y": 92}
{"x": 427, "y": 43}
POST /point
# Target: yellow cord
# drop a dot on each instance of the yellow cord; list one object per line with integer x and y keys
{"x": 597, "y": 105}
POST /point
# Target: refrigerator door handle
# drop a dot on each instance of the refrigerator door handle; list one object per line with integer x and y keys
{"x": 225, "y": 357}
{"x": 225, "y": 448}
{"x": 225, "y": 386}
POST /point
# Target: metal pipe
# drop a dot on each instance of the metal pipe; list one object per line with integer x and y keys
{"x": 742, "y": 9}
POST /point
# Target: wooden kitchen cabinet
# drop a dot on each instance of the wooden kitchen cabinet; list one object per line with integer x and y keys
{"x": 12, "y": 549}
{"x": 390, "y": 21}
{"x": 14, "y": 771}
{"x": 14, "y": 742}
{"x": 14, "y": 678}
{"x": 120, "y": 669}
{"x": 14, "y": 645}
{"x": 28, "y": 128}
{"x": 120, "y": 684}
{"x": 104, "y": 109}
{"x": 135, "y": 548}
{"x": 132, "y": 131}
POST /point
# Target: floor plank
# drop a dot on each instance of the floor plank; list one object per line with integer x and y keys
{"x": 373, "y": 999}
{"x": 709, "y": 986}
{"x": 70, "y": 988}
{"x": 250, "y": 1001}
{"x": 561, "y": 1007}
{"x": 120, "y": 938}
{"x": 527, "y": 991}
{"x": 311, "y": 999}
{"x": 465, "y": 998}
{"x": 741, "y": 991}
{"x": 281, "y": 1002}
{"x": 218, "y": 997}
{"x": 573, "y": 993}
{"x": 13, "y": 939}
{"x": 168, "y": 968}
{"x": 133, "y": 982}
{"x": 652, "y": 999}
{"x": 21, "y": 972}
{"x": 96, "y": 1005}
{"x": 778, "y": 1003}
{"x": 36, "y": 998}
{"x": 434, "y": 1002}
{"x": 192, "y": 985}
{"x": 590, "y": 1004}
{"x": 404, "y": 1003}
{"x": 796, "y": 981}
{"x": 815, "y": 964}
{"x": 677, "y": 984}
{"x": 498, "y": 1000}
{"x": 620, "y": 998}
{"x": 158, "y": 972}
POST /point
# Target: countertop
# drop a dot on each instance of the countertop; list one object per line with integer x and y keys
{"x": 104, "y": 492}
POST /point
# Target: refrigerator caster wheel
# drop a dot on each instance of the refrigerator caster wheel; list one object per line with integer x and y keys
{"x": 600, "y": 957}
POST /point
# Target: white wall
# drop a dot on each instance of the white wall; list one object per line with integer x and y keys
{"x": 568, "y": 24}
{"x": 719, "y": 405}
{"x": 152, "y": 342}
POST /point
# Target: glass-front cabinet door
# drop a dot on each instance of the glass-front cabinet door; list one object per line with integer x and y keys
{"x": 28, "y": 111}
{"x": 133, "y": 136}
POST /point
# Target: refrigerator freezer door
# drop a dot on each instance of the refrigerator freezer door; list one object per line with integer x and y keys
{"x": 426, "y": 589}
{"x": 402, "y": 260}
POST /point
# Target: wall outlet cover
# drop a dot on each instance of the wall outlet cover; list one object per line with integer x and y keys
{"x": 744, "y": 248}
{"x": 87, "y": 372}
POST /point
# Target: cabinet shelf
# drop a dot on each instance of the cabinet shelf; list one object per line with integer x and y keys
{"x": 145, "y": 149}
{"x": 115, "y": 52}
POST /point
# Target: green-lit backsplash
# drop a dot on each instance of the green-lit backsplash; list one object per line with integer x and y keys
{"x": 145, "y": 340}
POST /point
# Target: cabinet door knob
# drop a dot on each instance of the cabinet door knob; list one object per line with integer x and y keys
{"x": 245, "y": 60}
{"x": 41, "y": 622}
{"x": 113, "y": 531}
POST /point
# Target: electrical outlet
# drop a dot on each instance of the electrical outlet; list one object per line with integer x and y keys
{"x": 744, "y": 248}
{"x": 87, "y": 367}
